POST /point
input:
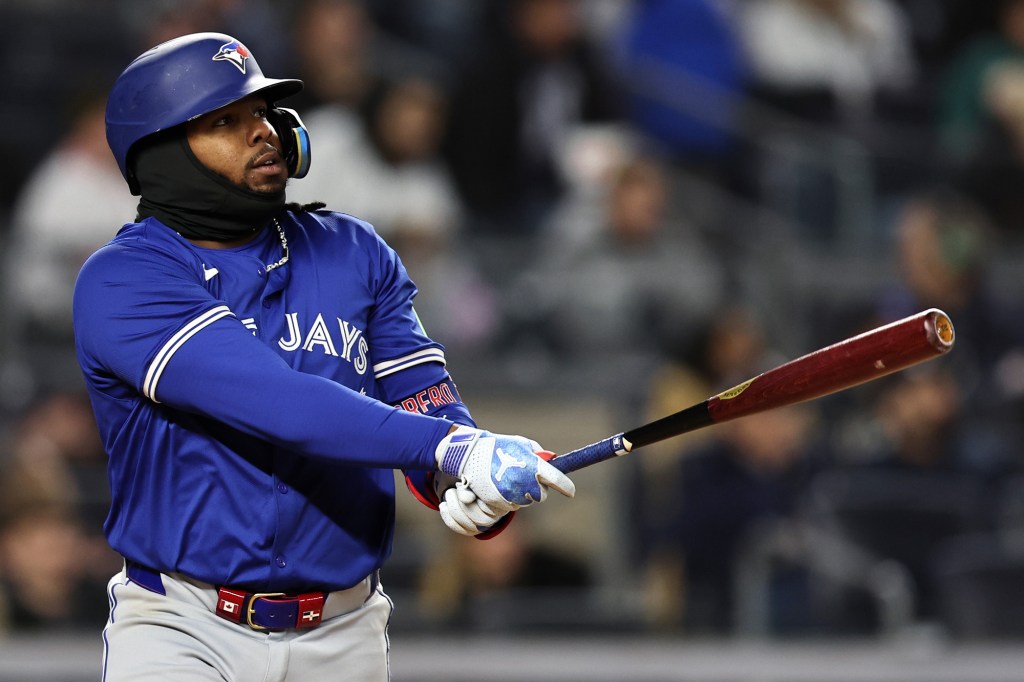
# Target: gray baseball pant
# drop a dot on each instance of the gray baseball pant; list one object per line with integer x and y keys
{"x": 178, "y": 637}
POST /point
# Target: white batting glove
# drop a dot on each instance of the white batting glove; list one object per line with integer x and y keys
{"x": 460, "y": 508}
{"x": 494, "y": 474}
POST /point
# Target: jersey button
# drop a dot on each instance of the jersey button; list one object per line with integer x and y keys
{"x": 266, "y": 303}
{"x": 282, "y": 488}
{"x": 280, "y": 561}
{"x": 261, "y": 272}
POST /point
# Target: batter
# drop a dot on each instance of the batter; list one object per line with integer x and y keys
{"x": 257, "y": 372}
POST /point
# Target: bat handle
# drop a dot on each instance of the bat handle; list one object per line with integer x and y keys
{"x": 592, "y": 454}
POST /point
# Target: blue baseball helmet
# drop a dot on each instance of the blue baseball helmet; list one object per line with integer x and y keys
{"x": 179, "y": 80}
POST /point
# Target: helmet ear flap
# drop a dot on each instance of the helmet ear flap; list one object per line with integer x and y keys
{"x": 294, "y": 140}
{"x": 141, "y": 147}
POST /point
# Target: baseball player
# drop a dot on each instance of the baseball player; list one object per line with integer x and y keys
{"x": 257, "y": 372}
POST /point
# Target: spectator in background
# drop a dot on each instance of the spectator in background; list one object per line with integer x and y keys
{"x": 590, "y": 161}
{"x": 971, "y": 99}
{"x": 375, "y": 137}
{"x": 156, "y": 21}
{"x": 728, "y": 348}
{"x": 982, "y": 118}
{"x": 55, "y": 455}
{"x": 332, "y": 40}
{"x": 941, "y": 29}
{"x": 696, "y": 499}
{"x": 916, "y": 416}
{"x": 827, "y": 60}
{"x": 747, "y": 477}
{"x": 824, "y": 68}
{"x": 630, "y": 290}
{"x": 912, "y": 479}
{"x": 944, "y": 244}
{"x": 419, "y": 212}
{"x": 502, "y": 583}
{"x": 43, "y": 582}
{"x": 682, "y": 68}
{"x": 512, "y": 108}
{"x": 72, "y": 204}
{"x": 387, "y": 171}
{"x": 342, "y": 54}
{"x": 55, "y": 441}
{"x": 444, "y": 28}
{"x": 54, "y": 560}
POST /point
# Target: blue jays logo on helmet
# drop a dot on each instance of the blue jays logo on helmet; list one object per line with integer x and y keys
{"x": 234, "y": 52}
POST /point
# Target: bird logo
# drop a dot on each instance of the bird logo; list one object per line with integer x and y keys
{"x": 233, "y": 52}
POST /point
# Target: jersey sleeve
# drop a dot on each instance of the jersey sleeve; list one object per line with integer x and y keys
{"x": 395, "y": 333}
{"x": 144, "y": 321}
{"x": 409, "y": 366}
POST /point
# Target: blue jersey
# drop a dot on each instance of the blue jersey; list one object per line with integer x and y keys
{"x": 248, "y": 413}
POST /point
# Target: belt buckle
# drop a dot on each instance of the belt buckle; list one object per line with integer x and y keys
{"x": 251, "y": 611}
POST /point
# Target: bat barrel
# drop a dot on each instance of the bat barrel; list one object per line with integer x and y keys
{"x": 854, "y": 361}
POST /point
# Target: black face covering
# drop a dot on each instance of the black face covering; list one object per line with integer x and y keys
{"x": 185, "y": 195}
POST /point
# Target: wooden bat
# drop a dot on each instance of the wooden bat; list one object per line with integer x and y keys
{"x": 856, "y": 360}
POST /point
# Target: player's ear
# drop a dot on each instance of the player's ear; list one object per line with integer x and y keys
{"x": 294, "y": 140}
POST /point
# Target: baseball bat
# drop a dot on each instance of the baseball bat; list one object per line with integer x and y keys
{"x": 854, "y": 361}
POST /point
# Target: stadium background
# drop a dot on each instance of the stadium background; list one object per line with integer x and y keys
{"x": 592, "y": 194}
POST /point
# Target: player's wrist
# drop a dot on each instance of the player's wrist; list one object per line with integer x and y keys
{"x": 451, "y": 453}
{"x": 423, "y": 487}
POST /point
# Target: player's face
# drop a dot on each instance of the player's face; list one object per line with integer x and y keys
{"x": 238, "y": 143}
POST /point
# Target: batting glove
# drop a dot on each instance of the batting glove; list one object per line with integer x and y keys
{"x": 460, "y": 508}
{"x": 493, "y": 475}
{"x": 430, "y": 487}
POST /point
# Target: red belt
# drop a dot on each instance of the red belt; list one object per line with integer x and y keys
{"x": 271, "y": 610}
{"x": 258, "y": 610}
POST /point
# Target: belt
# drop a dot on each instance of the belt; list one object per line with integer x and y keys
{"x": 267, "y": 610}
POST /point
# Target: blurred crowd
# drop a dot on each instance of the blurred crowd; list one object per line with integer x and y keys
{"x": 646, "y": 200}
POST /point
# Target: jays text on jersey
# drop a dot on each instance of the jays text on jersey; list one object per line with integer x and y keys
{"x": 246, "y": 411}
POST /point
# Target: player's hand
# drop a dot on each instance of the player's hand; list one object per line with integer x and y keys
{"x": 493, "y": 475}
{"x": 464, "y": 512}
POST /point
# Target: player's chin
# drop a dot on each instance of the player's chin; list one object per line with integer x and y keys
{"x": 265, "y": 185}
